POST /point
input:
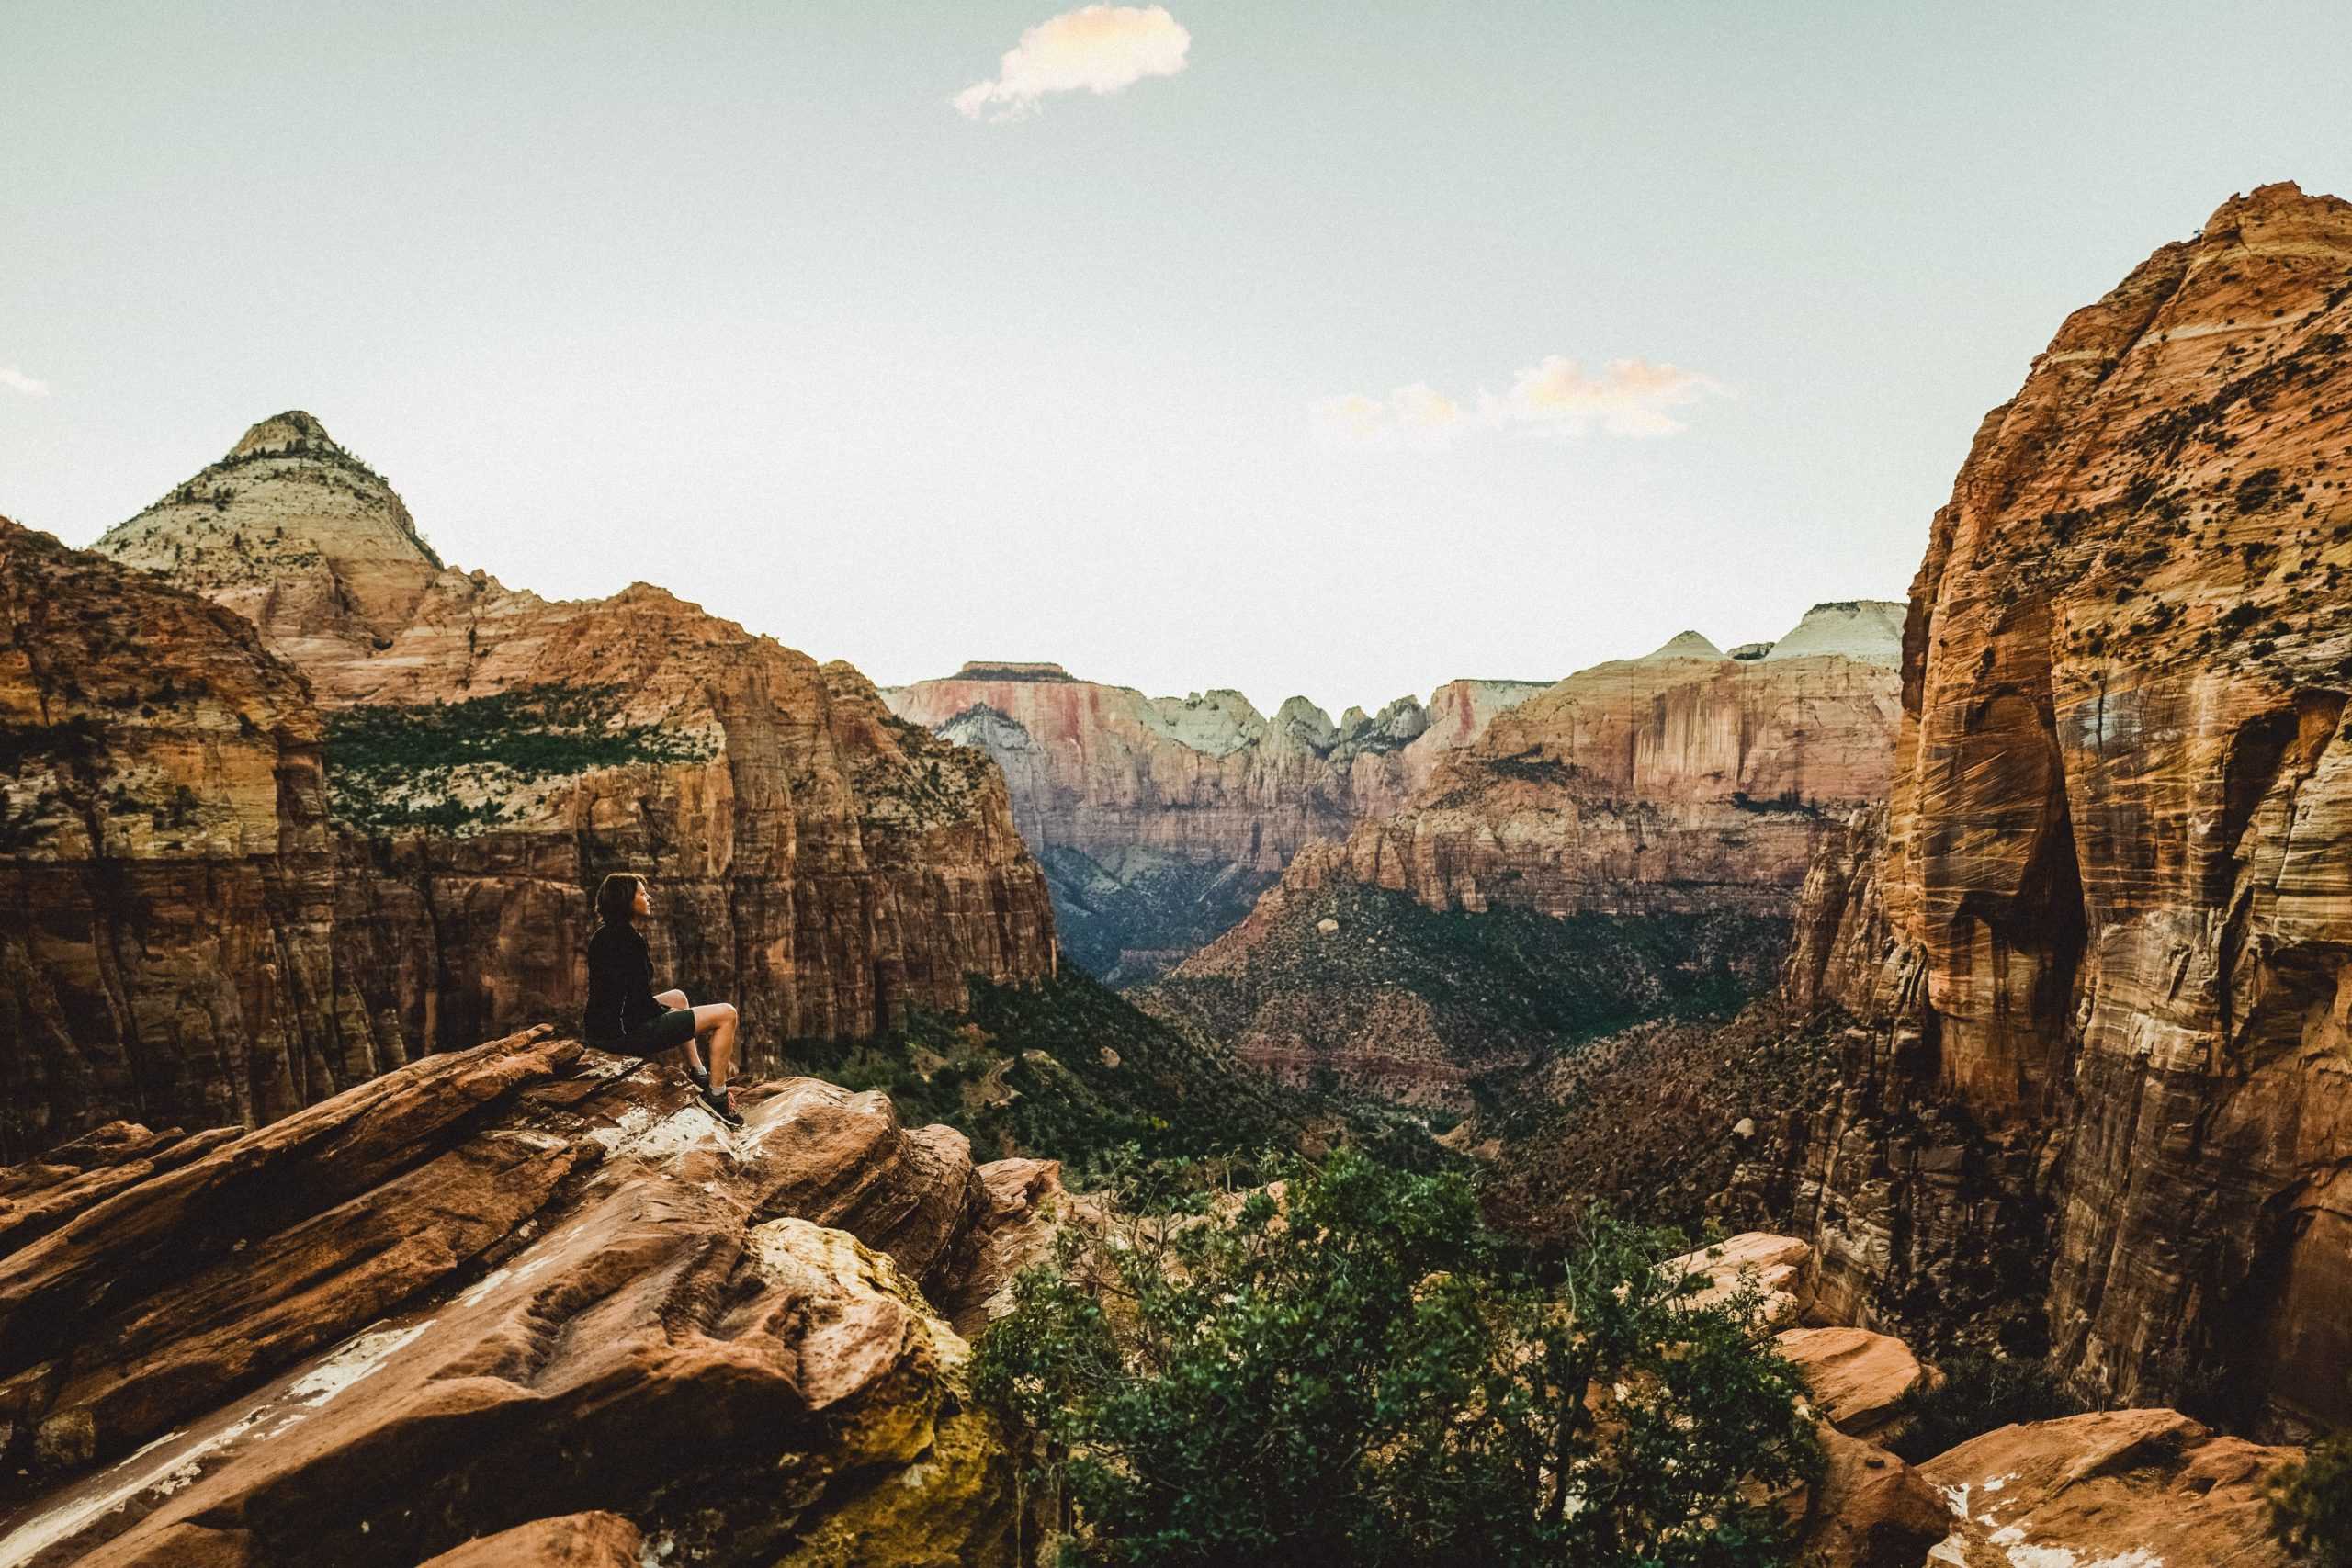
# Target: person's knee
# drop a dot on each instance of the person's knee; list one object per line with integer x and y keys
{"x": 726, "y": 1012}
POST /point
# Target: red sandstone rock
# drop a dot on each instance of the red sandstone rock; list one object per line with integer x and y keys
{"x": 563, "y": 1287}
{"x": 1869, "y": 1510}
{"x": 1859, "y": 1379}
{"x": 2121, "y": 1487}
{"x": 2110, "y": 920}
{"x": 217, "y": 940}
{"x": 593, "y": 1539}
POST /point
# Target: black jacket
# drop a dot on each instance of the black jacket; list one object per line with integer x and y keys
{"x": 620, "y": 984}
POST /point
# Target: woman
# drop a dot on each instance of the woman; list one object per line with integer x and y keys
{"x": 624, "y": 1013}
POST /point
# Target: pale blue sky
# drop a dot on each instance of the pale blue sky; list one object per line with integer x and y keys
{"x": 728, "y": 297}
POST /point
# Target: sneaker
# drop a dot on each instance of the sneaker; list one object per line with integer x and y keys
{"x": 700, "y": 1078}
{"x": 722, "y": 1105}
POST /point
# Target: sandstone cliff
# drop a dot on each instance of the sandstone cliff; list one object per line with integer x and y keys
{"x": 517, "y": 1288}
{"x": 2112, "y": 911}
{"x": 2096, "y": 1095}
{"x": 488, "y": 756}
{"x": 166, "y": 859}
{"x": 1652, "y": 818}
{"x": 1161, "y": 819}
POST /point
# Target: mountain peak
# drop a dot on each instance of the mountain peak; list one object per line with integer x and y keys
{"x": 289, "y": 430}
{"x": 1687, "y": 645}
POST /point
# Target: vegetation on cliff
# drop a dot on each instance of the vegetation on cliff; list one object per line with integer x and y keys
{"x": 448, "y": 765}
{"x": 1351, "y": 1368}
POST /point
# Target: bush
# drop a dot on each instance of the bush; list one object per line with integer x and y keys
{"x": 1354, "y": 1372}
{"x": 1980, "y": 1393}
{"x": 2311, "y": 1505}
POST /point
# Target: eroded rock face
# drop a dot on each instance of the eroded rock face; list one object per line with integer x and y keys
{"x": 165, "y": 860}
{"x": 2106, "y": 931}
{"x": 816, "y": 861}
{"x": 522, "y": 1288}
{"x": 1161, "y": 819}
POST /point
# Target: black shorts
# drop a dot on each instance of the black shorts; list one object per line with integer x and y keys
{"x": 663, "y": 1032}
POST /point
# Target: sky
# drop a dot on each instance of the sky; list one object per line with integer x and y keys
{"x": 1333, "y": 348}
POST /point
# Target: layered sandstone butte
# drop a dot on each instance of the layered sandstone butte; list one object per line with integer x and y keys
{"x": 1161, "y": 819}
{"x": 1646, "y": 825}
{"x": 520, "y": 1289}
{"x": 228, "y": 934}
{"x": 166, "y": 861}
{"x": 2102, "y": 934}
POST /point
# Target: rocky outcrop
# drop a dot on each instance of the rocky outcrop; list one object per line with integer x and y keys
{"x": 2103, "y": 933}
{"x": 1653, "y": 817}
{"x": 236, "y": 902}
{"x": 1161, "y": 819}
{"x": 519, "y": 1299}
{"x": 2119, "y": 1486}
{"x": 166, "y": 861}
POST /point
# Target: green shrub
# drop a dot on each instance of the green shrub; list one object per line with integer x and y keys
{"x": 1358, "y": 1374}
{"x": 2311, "y": 1505}
{"x": 1980, "y": 1393}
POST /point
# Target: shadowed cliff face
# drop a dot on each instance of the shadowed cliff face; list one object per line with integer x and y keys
{"x": 1161, "y": 819}
{"x": 236, "y": 902}
{"x": 2111, "y": 915}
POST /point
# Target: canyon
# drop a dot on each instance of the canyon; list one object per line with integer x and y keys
{"x": 1629, "y": 841}
{"x": 1160, "y": 821}
{"x": 349, "y": 806}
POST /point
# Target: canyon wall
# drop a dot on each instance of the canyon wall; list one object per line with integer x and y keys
{"x": 2102, "y": 933}
{"x": 408, "y": 864}
{"x": 1645, "y": 824}
{"x": 1160, "y": 821}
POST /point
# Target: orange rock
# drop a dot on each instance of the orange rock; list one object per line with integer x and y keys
{"x": 2121, "y": 1487}
{"x": 1859, "y": 1379}
{"x": 1869, "y": 1510}
{"x": 501, "y": 1286}
{"x": 592, "y": 1539}
{"x": 2110, "y": 924}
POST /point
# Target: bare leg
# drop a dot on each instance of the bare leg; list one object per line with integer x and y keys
{"x": 717, "y": 1020}
{"x": 678, "y": 999}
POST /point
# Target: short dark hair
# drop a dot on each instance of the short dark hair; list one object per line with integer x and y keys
{"x": 617, "y": 897}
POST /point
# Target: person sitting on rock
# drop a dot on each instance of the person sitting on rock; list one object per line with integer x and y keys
{"x": 626, "y": 1015}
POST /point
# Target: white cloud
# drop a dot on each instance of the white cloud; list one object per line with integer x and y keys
{"x": 1553, "y": 397}
{"x": 13, "y": 378}
{"x": 1099, "y": 49}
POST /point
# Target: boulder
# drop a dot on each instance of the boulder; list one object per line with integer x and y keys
{"x": 1859, "y": 1379}
{"x": 1780, "y": 1266}
{"x": 1868, "y": 1509}
{"x": 2133, "y": 1488}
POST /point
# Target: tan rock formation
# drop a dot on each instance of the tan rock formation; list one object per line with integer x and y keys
{"x": 1160, "y": 819}
{"x": 2119, "y": 1486}
{"x": 563, "y": 1286}
{"x": 2110, "y": 923}
{"x": 819, "y": 862}
{"x": 1868, "y": 1509}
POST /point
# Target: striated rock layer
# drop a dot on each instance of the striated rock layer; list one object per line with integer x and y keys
{"x": 2104, "y": 927}
{"x": 1161, "y": 819}
{"x": 215, "y": 929}
{"x": 517, "y": 1299}
{"x": 166, "y": 861}
{"x": 1668, "y": 807}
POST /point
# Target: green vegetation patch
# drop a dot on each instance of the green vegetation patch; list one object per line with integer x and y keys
{"x": 448, "y": 765}
{"x": 1357, "y": 1372}
{"x": 1069, "y": 1070}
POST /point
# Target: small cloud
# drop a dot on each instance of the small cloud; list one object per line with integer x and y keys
{"x": 1630, "y": 397}
{"x": 12, "y": 377}
{"x": 1098, "y": 48}
{"x": 1553, "y": 397}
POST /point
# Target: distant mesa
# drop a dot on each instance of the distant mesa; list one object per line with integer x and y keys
{"x": 1747, "y": 652}
{"x": 1009, "y": 670}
